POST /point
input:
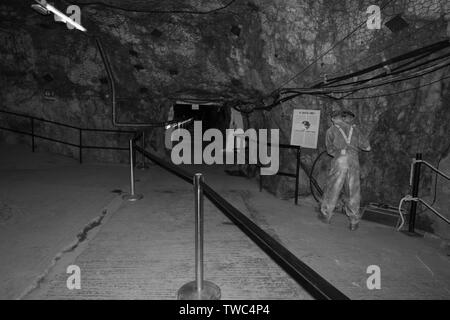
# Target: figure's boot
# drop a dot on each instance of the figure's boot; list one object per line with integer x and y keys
{"x": 353, "y": 226}
{"x": 324, "y": 217}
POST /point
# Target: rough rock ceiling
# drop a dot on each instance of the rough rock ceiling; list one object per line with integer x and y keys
{"x": 157, "y": 5}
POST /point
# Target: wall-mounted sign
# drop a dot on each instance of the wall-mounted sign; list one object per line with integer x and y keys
{"x": 305, "y": 128}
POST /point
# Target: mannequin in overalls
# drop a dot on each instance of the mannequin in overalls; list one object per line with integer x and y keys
{"x": 235, "y": 143}
{"x": 343, "y": 141}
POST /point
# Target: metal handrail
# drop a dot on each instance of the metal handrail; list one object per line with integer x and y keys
{"x": 434, "y": 210}
{"x": 411, "y": 198}
{"x": 439, "y": 172}
{"x": 63, "y": 124}
{"x": 414, "y": 180}
{"x": 41, "y": 137}
{"x": 80, "y": 130}
{"x": 306, "y": 277}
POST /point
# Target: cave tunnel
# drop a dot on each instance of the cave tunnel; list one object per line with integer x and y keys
{"x": 321, "y": 169}
{"x": 211, "y": 115}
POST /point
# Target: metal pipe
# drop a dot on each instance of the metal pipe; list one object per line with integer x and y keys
{"x": 415, "y": 193}
{"x": 198, "y": 179}
{"x": 433, "y": 168}
{"x": 112, "y": 88}
{"x": 434, "y": 210}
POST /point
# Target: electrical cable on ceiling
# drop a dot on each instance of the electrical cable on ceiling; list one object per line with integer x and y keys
{"x": 384, "y": 73}
{"x": 327, "y": 51}
{"x": 388, "y": 94}
{"x": 345, "y": 90}
{"x": 239, "y": 108}
{"x": 398, "y": 79}
{"x": 239, "y": 105}
{"x": 395, "y": 42}
{"x": 415, "y": 74}
{"x": 323, "y": 90}
{"x": 411, "y": 54}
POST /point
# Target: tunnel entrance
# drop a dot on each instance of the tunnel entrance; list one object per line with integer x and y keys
{"x": 211, "y": 115}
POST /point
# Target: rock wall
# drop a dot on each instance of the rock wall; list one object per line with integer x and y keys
{"x": 242, "y": 52}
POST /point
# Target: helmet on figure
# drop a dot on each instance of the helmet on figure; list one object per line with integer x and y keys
{"x": 348, "y": 116}
{"x": 342, "y": 116}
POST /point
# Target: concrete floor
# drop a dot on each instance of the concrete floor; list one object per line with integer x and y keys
{"x": 55, "y": 212}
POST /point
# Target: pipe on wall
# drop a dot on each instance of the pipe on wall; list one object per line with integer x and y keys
{"x": 112, "y": 88}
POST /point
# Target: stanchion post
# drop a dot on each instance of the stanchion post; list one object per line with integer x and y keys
{"x": 132, "y": 196}
{"x": 415, "y": 193}
{"x": 198, "y": 231}
{"x": 199, "y": 289}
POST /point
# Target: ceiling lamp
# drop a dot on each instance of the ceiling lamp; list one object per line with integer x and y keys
{"x": 44, "y": 8}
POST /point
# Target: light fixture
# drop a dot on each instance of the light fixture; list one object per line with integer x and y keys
{"x": 40, "y": 8}
{"x": 44, "y": 8}
{"x": 178, "y": 124}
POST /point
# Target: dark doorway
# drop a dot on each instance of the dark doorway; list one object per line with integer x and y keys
{"x": 212, "y": 116}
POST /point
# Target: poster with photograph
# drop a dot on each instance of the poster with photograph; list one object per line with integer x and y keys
{"x": 305, "y": 128}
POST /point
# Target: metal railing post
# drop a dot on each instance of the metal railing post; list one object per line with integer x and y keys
{"x": 33, "y": 145}
{"x": 415, "y": 193}
{"x": 132, "y": 196}
{"x": 198, "y": 231}
{"x": 199, "y": 289}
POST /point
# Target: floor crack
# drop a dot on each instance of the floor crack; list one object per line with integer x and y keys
{"x": 80, "y": 239}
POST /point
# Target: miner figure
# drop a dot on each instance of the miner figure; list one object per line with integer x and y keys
{"x": 343, "y": 141}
